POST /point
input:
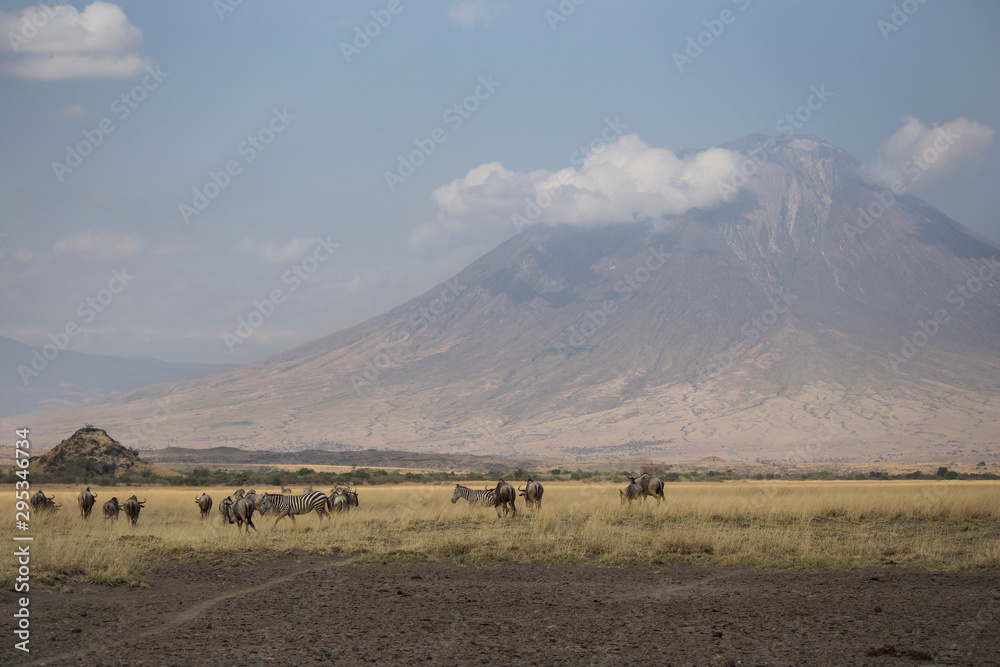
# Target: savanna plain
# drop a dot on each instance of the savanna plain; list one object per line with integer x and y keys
{"x": 751, "y": 572}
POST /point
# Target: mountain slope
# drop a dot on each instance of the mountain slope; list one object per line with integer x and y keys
{"x": 770, "y": 326}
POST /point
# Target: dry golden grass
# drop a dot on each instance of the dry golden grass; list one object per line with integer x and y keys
{"x": 829, "y": 525}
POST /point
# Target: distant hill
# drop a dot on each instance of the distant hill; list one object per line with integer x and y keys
{"x": 74, "y": 378}
{"x": 91, "y": 454}
{"x": 183, "y": 458}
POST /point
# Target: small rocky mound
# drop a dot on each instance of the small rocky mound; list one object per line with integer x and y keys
{"x": 88, "y": 450}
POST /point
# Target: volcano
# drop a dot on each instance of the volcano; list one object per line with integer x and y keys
{"x": 811, "y": 316}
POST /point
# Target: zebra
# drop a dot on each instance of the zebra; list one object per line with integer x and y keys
{"x": 289, "y": 506}
{"x": 474, "y": 496}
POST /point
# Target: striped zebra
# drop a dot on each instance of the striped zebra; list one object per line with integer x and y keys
{"x": 282, "y": 505}
{"x": 474, "y": 496}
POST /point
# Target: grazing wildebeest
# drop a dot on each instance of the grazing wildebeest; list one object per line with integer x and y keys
{"x": 132, "y": 508}
{"x": 504, "y": 495}
{"x": 204, "y": 504}
{"x": 86, "y": 500}
{"x": 474, "y": 496}
{"x": 631, "y": 492}
{"x": 650, "y": 486}
{"x": 226, "y": 510}
{"x": 532, "y": 493}
{"x": 41, "y": 503}
{"x": 111, "y": 509}
{"x": 243, "y": 512}
{"x": 289, "y": 506}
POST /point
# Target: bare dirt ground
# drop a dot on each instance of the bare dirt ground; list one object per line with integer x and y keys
{"x": 307, "y": 610}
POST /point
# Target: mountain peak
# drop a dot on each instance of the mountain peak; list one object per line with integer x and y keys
{"x": 741, "y": 330}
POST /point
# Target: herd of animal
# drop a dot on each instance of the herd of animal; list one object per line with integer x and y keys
{"x": 239, "y": 507}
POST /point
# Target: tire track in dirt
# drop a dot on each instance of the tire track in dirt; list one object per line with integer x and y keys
{"x": 178, "y": 619}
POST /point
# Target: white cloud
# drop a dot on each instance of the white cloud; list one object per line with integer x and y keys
{"x": 271, "y": 253}
{"x": 100, "y": 246}
{"x": 61, "y": 42}
{"x": 473, "y": 13}
{"x": 916, "y": 151}
{"x": 619, "y": 182}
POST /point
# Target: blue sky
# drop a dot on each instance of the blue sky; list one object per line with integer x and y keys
{"x": 202, "y": 85}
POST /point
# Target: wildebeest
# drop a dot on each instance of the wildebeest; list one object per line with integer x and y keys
{"x": 111, "y": 509}
{"x": 132, "y": 508}
{"x": 650, "y": 486}
{"x": 255, "y": 498}
{"x": 631, "y": 492}
{"x": 226, "y": 510}
{"x": 504, "y": 495}
{"x": 285, "y": 489}
{"x": 243, "y": 513}
{"x": 41, "y": 503}
{"x": 337, "y": 501}
{"x": 239, "y": 494}
{"x": 532, "y": 493}
{"x": 86, "y": 500}
{"x": 341, "y": 499}
{"x": 473, "y": 496}
{"x": 204, "y": 504}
